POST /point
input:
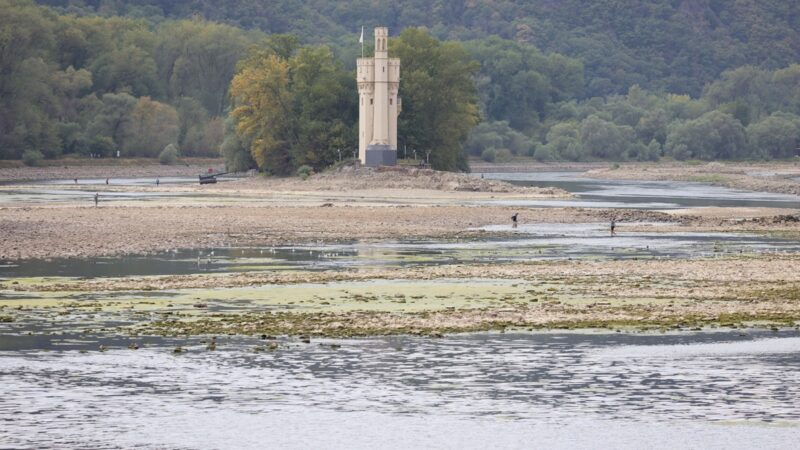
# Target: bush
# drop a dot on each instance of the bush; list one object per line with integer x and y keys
{"x": 304, "y": 171}
{"x": 543, "y": 153}
{"x": 503, "y": 155}
{"x": 169, "y": 155}
{"x": 488, "y": 155}
{"x": 102, "y": 145}
{"x": 32, "y": 157}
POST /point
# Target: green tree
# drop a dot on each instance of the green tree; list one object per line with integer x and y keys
{"x": 198, "y": 59}
{"x": 237, "y": 156}
{"x": 439, "y": 96}
{"x": 112, "y": 118}
{"x": 497, "y": 135}
{"x": 605, "y": 140}
{"x": 777, "y": 136}
{"x": 563, "y": 142}
{"x": 714, "y": 135}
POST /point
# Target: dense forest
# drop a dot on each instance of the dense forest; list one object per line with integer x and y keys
{"x": 569, "y": 79}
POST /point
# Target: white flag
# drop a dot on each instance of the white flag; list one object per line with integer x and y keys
{"x": 361, "y": 39}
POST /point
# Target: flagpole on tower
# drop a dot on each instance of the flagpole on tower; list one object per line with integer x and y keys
{"x": 361, "y": 40}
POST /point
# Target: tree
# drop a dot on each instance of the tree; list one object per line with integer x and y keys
{"x": 777, "y": 136}
{"x": 151, "y": 127}
{"x": 714, "y": 135}
{"x": 606, "y": 140}
{"x": 169, "y": 155}
{"x": 112, "y": 118}
{"x": 198, "y": 59}
{"x": 237, "y": 157}
{"x": 439, "y": 97}
{"x": 563, "y": 142}
{"x": 497, "y": 135}
{"x": 294, "y": 111}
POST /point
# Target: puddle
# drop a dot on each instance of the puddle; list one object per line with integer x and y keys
{"x": 593, "y": 193}
{"x": 709, "y": 390}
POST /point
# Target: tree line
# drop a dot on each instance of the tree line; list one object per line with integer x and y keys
{"x": 75, "y": 81}
{"x": 748, "y": 113}
{"x": 92, "y": 85}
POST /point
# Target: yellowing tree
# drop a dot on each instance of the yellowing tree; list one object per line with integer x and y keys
{"x": 151, "y": 127}
{"x": 262, "y": 104}
{"x": 293, "y": 109}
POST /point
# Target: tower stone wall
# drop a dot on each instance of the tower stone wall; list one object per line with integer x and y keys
{"x": 379, "y": 105}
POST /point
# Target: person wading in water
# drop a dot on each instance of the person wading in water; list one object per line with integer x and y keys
{"x": 514, "y": 220}
{"x": 613, "y": 226}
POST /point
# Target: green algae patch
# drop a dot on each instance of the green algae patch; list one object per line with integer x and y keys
{"x": 380, "y": 296}
{"x": 26, "y": 283}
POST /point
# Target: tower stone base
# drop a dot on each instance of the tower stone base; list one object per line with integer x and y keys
{"x": 380, "y": 155}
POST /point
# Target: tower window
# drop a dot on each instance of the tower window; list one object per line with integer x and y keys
{"x": 390, "y": 101}
{"x": 370, "y": 101}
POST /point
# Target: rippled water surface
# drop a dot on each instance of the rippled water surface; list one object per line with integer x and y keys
{"x": 705, "y": 390}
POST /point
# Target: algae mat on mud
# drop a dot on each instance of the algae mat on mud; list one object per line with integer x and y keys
{"x": 377, "y": 307}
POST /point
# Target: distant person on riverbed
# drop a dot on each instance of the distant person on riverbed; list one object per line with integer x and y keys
{"x": 514, "y": 220}
{"x": 613, "y": 226}
{"x": 106, "y": 180}
{"x": 157, "y": 181}
{"x": 76, "y": 181}
{"x": 96, "y": 199}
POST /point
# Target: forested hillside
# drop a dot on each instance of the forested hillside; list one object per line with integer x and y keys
{"x": 672, "y": 45}
{"x": 555, "y": 79}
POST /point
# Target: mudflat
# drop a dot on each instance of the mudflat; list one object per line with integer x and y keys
{"x": 355, "y": 205}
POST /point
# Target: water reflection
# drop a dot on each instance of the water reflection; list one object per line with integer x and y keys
{"x": 544, "y": 382}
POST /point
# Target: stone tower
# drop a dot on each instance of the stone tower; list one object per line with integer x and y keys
{"x": 378, "y": 107}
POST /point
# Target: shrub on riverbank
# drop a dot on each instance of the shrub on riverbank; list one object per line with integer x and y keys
{"x": 169, "y": 155}
{"x": 32, "y": 157}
